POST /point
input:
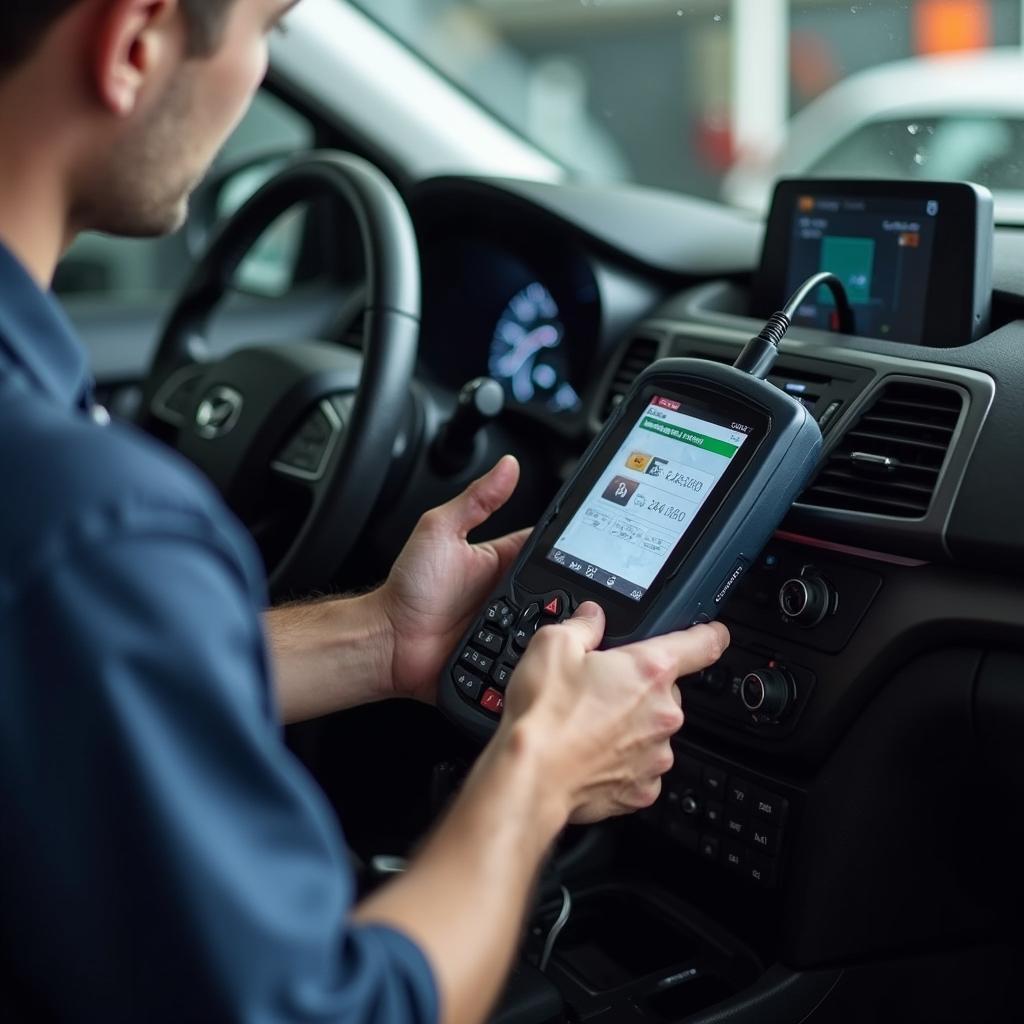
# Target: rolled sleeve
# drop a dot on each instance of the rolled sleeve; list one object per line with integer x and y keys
{"x": 165, "y": 857}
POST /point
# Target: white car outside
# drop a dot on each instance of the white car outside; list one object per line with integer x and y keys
{"x": 953, "y": 117}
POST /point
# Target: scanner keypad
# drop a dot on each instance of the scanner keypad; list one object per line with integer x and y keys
{"x": 497, "y": 642}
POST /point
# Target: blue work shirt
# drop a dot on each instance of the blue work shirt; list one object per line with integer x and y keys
{"x": 163, "y": 857}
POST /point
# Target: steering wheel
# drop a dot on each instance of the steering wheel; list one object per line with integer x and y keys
{"x": 299, "y": 436}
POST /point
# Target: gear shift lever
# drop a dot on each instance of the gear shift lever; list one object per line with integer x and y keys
{"x": 480, "y": 401}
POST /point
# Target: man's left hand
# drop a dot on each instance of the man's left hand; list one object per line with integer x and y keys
{"x": 441, "y": 581}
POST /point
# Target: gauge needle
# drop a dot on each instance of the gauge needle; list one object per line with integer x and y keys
{"x": 545, "y": 336}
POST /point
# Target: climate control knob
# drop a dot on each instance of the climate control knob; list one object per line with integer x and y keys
{"x": 806, "y": 600}
{"x": 768, "y": 692}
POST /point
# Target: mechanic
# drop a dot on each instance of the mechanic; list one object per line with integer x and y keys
{"x": 163, "y": 857}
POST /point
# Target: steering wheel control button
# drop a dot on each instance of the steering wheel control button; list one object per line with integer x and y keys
{"x": 714, "y": 782}
{"x": 473, "y": 659}
{"x": 501, "y": 675}
{"x": 501, "y": 615}
{"x": 307, "y": 453}
{"x": 489, "y": 640}
{"x": 472, "y": 686}
{"x": 493, "y": 701}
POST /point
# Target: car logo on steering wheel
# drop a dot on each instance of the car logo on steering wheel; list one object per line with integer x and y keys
{"x": 218, "y": 413}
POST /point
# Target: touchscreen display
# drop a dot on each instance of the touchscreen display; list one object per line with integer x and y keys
{"x": 647, "y": 497}
{"x": 880, "y": 248}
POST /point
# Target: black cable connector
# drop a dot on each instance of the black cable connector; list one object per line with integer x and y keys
{"x": 760, "y": 353}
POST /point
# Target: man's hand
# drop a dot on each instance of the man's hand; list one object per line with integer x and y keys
{"x": 441, "y": 581}
{"x": 601, "y": 721}
{"x": 585, "y": 736}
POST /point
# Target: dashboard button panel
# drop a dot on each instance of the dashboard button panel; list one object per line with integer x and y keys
{"x": 746, "y": 834}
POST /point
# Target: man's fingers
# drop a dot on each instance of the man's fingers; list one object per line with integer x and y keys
{"x": 588, "y": 625}
{"x": 478, "y": 502}
{"x": 682, "y": 654}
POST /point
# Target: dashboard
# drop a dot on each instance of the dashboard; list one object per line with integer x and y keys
{"x": 876, "y": 646}
{"x": 527, "y": 318}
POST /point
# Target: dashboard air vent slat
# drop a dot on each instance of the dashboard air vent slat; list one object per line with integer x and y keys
{"x": 889, "y": 462}
{"x": 641, "y": 352}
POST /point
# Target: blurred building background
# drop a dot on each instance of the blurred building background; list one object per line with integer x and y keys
{"x": 672, "y": 93}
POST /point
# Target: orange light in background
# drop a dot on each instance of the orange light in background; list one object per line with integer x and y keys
{"x": 942, "y": 26}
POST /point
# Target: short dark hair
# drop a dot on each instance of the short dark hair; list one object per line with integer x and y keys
{"x": 23, "y": 23}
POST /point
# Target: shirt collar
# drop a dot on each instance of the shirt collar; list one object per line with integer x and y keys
{"x": 38, "y": 335}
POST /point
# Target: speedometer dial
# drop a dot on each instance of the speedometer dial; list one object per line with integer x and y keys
{"x": 528, "y": 352}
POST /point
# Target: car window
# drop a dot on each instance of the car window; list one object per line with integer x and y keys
{"x": 980, "y": 147}
{"x": 141, "y": 271}
{"x": 706, "y": 96}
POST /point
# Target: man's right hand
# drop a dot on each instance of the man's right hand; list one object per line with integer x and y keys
{"x": 600, "y": 722}
{"x": 585, "y": 736}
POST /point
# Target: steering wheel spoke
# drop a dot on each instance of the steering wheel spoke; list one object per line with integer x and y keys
{"x": 235, "y": 417}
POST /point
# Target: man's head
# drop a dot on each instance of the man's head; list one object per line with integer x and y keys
{"x": 135, "y": 97}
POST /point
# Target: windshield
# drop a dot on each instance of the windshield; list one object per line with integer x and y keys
{"x": 717, "y": 98}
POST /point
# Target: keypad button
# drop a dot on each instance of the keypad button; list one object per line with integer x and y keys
{"x": 764, "y": 837}
{"x": 713, "y": 814}
{"x": 471, "y": 685}
{"x": 493, "y": 701}
{"x": 554, "y": 606}
{"x": 521, "y": 638}
{"x": 472, "y": 658}
{"x": 512, "y": 655}
{"x": 714, "y": 782}
{"x": 501, "y": 615}
{"x": 769, "y": 807}
{"x": 734, "y": 856}
{"x": 501, "y": 675}
{"x": 735, "y": 827}
{"x": 489, "y": 640}
{"x": 531, "y": 613}
{"x": 737, "y": 794}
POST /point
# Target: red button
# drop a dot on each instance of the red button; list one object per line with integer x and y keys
{"x": 492, "y": 700}
{"x": 553, "y": 607}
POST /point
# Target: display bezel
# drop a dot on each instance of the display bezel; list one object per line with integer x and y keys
{"x": 949, "y": 316}
{"x": 539, "y": 575}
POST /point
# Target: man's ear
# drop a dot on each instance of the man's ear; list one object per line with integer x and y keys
{"x": 135, "y": 40}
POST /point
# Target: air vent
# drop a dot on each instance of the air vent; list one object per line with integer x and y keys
{"x": 889, "y": 462}
{"x": 640, "y": 353}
